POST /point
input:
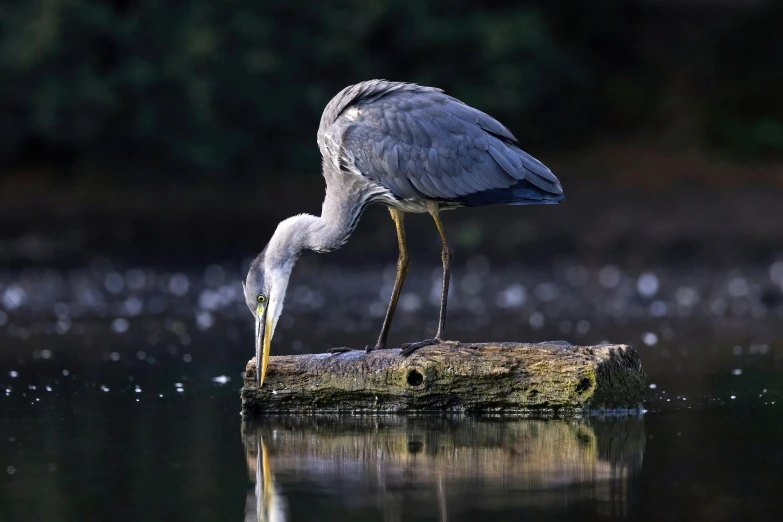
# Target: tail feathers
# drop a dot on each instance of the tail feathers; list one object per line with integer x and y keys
{"x": 522, "y": 193}
{"x": 530, "y": 202}
{"x": 520, "y": 165}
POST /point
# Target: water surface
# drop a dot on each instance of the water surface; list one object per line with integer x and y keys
{"x": 191, "y": 456}
{"x": 119, "y": 400}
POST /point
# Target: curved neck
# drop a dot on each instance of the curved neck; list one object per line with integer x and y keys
{"x": 346, "y": 198}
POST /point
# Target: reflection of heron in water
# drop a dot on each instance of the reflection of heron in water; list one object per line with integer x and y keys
{"x": 444, "y": 514}
{"x": 396, "y": 464}
{"x": 268, "y": 505}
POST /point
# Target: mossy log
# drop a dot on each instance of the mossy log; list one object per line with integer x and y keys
{"x": 490, "y": 377}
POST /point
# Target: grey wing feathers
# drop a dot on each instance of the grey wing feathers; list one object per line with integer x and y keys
{"x": 418, "y": 142}
{"x": 364, "y": 92}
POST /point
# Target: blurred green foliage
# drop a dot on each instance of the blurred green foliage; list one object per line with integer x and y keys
{"x": 234, "y": 89}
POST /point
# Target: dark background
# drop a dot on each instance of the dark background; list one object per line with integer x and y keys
{"x": 181, "y": 132}
{"x": 148, "y": 149}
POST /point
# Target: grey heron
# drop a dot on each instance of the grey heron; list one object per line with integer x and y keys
{"x": 414, "y": 149}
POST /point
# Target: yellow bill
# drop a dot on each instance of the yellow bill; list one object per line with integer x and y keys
{"x": 264, "y": 329}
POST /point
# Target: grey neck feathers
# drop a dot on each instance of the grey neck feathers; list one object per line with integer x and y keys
{"x": 347, "y": 195}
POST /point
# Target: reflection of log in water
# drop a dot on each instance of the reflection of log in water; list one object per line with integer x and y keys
{"x": 543, "y": 462}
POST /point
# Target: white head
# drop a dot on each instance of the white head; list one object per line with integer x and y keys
{"x": 266, "y": 284}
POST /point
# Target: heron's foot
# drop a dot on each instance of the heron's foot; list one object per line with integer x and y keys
{"x": 409, "y": 348}
{"x": 344, "y": 349}
{"x": 339, "y": 349}
{"x": 377, "y": 346}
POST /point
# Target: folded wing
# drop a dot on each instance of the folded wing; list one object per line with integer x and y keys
{"x": 430, "y": 145}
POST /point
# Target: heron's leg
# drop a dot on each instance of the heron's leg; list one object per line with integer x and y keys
{"x": 403, "y": 263}
{"x": 446, "y": 256}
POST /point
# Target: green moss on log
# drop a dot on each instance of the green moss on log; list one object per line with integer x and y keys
{"x": 490, "y": 377}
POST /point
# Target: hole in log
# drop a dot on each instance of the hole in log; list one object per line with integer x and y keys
{"x": 584, "y": 385}
{"x": 415, "y": 378}
{"x": 583, "y": 439}
{"x": 415, "y": 446}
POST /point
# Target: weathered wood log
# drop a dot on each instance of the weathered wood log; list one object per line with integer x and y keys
{"x": 490, "y": 377}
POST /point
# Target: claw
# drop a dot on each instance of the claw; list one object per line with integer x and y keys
{"x": 409, "y": 348}
{"x": 339, "y": 349}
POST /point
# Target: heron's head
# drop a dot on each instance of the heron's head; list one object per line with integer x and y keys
{"x": 265, "y": 288}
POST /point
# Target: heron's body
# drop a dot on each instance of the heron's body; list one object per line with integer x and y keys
{"x": 416, "y": 144}
{"x": 414, "y": 149}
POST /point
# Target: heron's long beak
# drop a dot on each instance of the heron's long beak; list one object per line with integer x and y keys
{"x": 264, "y": 329}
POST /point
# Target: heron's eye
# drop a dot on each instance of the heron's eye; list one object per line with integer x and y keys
{"x": 261, "y": 298}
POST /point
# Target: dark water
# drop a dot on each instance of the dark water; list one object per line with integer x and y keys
{"x": 119, "y": 400}
{"x": 190, "y": 456}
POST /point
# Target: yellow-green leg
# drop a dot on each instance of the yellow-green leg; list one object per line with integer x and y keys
{"x": 403, "y": 263}
{"x": 447, "y": 255}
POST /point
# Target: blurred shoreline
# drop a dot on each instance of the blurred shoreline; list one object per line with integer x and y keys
{"x": 631, "y": 205}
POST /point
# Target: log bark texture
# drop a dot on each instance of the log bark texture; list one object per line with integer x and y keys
{"x": 490, "y": 377}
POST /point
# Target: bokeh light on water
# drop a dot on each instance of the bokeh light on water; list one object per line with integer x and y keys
{"x": 140, "y": 330}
